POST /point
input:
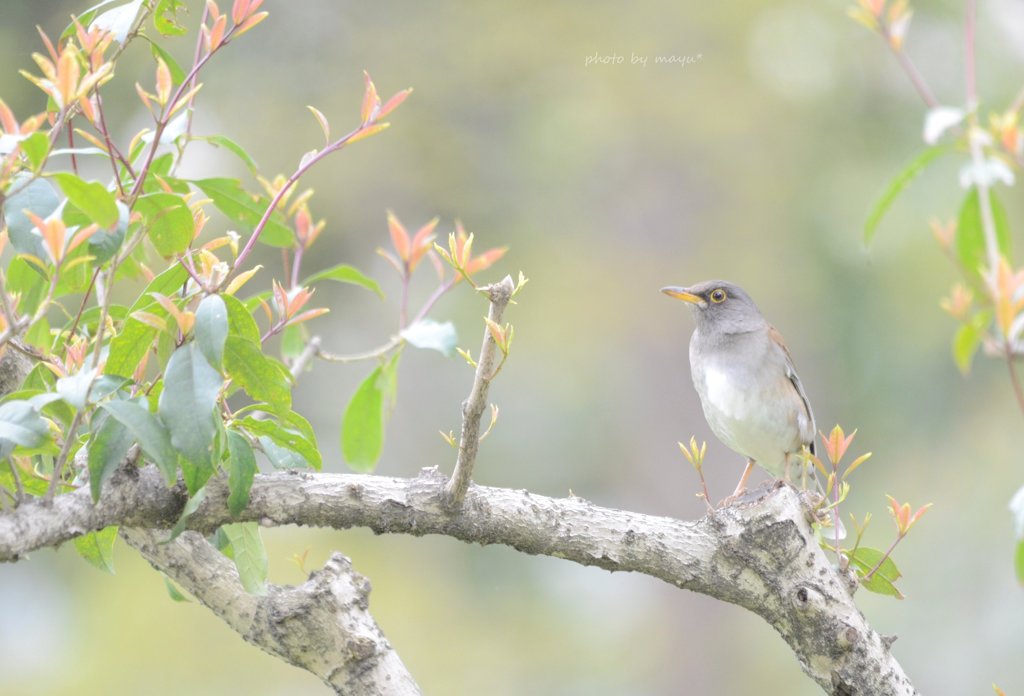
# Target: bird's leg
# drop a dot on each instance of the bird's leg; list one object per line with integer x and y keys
{"x": 742, "y": 485}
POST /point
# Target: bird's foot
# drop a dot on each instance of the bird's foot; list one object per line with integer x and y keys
{"x": 745, "y": 496}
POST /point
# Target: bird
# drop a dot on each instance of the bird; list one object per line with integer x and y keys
{"x": 743, "y": 373}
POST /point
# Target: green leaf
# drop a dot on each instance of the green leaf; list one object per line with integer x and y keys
{"x": 190, "y": 508}
{"x": 969, "y": 241}
{"x": 289, "y": 419}
{"x": 362, "y": 426}
{"x": 36, "y": 147}
{"x": 241, "y": 471}
{"x": 234, "y": 148}
{"x": 105, "y": 243}
{"x": 188, "y": 407}
{"x": 262, "y": 377}
{"x": 167, "y": 282}
{"x": 170, "y": 222}
{"x": 28, "y": 282}
{"x": 864, "y": 559}
{"x": 172, "y": 590}
{"x": 21, "y": 425}
{"x": 91, "y": 197}
{"x": 177, "y": 74}
{"x": 240, "y": 321}
{"x": 249, "y": 554}
{"x": 968, "y": 338}
{"x": 107, "y": 448}
{"x": 343, "y": 273}
{"x": 74, "y": 389}
{"x": 246, "y": 209}
{"x": 1018, "y": 561}
{"x": 286, "y": 438}
{"x": 38, "y": 335}
{"x": 37, "y": 196}
{"x": 896, "y": 186}
{"x": 432, "y": 335}
{"x": 149, "y": 432}
{"x": 281, "y": 457}
{"x": 867, "y": 558}
{"x": 165, "y": 19}
{"x": 211, "y": 328}
{"x": 129, "y": 347}
{"x": 98, "y": 548}
{"x": 880, "y": 584}
{"x": 293, "y": 340}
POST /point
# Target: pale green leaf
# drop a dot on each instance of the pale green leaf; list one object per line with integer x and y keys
{"x": 896, "y": 186}
{"x": 241, "y": 471}
{"x": 344, "y": 273}
{"x": 433, "y": 335}
{"x": 247, "y": 209}
{"x": 169, "y": 221}
{"x": 188, "y": 407}
{"x": 285, "y": 437}
{"x": 91, "y": 197}
{"x": 232, "y": 147}
{"x": 262, "y": 377}
{"x": 211, "y": 328}
{"x": 98, "y": 548}
{"x": 149, "y": 432}
{"x": 249, "y": 554}
{"x": 37, "y": 196}
{"x": 107, "y": 448}
{"x": 969, "y": 241}
{"x": 362, "y": 426}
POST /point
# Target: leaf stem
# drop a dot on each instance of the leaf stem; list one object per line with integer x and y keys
{"x": 303, "y": 167}
{"x": 908, "y": 66}
{"x": 892, "y": 547}
{"x": 1014, "y": 378}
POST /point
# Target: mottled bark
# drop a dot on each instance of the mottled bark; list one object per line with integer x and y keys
{"x": 761, "y": 555}
{"x": 322, "y": 625}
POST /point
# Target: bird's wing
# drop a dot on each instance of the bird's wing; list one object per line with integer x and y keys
{"x": 776, "y": 338}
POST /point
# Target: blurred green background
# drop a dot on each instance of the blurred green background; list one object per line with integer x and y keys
{"x": 757, "y": 161}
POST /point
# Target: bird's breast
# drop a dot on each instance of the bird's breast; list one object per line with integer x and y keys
{"x": 746, "y": 413}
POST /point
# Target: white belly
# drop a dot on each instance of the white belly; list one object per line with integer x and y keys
{"x": 752, "y": 422}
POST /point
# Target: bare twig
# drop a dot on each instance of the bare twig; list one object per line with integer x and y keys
{"x": 1014, "y": 377}
{"x": 974, "y": 143}
{"x": 308, "y": 353}
{"x": 908, "y": 66}
{"x": 473, "y": 407}
{"x": 377, "y": 352}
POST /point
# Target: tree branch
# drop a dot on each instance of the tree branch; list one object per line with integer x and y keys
{"x": 322, "y": 626}
{"x": 762, "y": 556}
{"x": 473, "y": 407}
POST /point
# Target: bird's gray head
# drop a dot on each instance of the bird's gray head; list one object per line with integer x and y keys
{"x": 720, "y": 307}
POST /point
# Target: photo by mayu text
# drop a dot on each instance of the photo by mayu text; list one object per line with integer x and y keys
{"x": 641, "y": 59}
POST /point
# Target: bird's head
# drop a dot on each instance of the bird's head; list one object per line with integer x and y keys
{"x": 719, "y": 306}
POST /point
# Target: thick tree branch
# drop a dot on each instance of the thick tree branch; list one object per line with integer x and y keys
{"x": 761, "y": 556}
{"x": 322, "y": 626}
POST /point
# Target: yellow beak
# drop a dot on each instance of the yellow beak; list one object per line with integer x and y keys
{"x": 684, "y": 295}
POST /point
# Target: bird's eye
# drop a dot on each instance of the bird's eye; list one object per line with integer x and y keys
{"x": 718, "y": 295}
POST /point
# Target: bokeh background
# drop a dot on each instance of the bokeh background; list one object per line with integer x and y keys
{"x": 757, "y": 161}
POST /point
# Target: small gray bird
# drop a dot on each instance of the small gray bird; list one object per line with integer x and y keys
{"x": 744, "y": 375}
